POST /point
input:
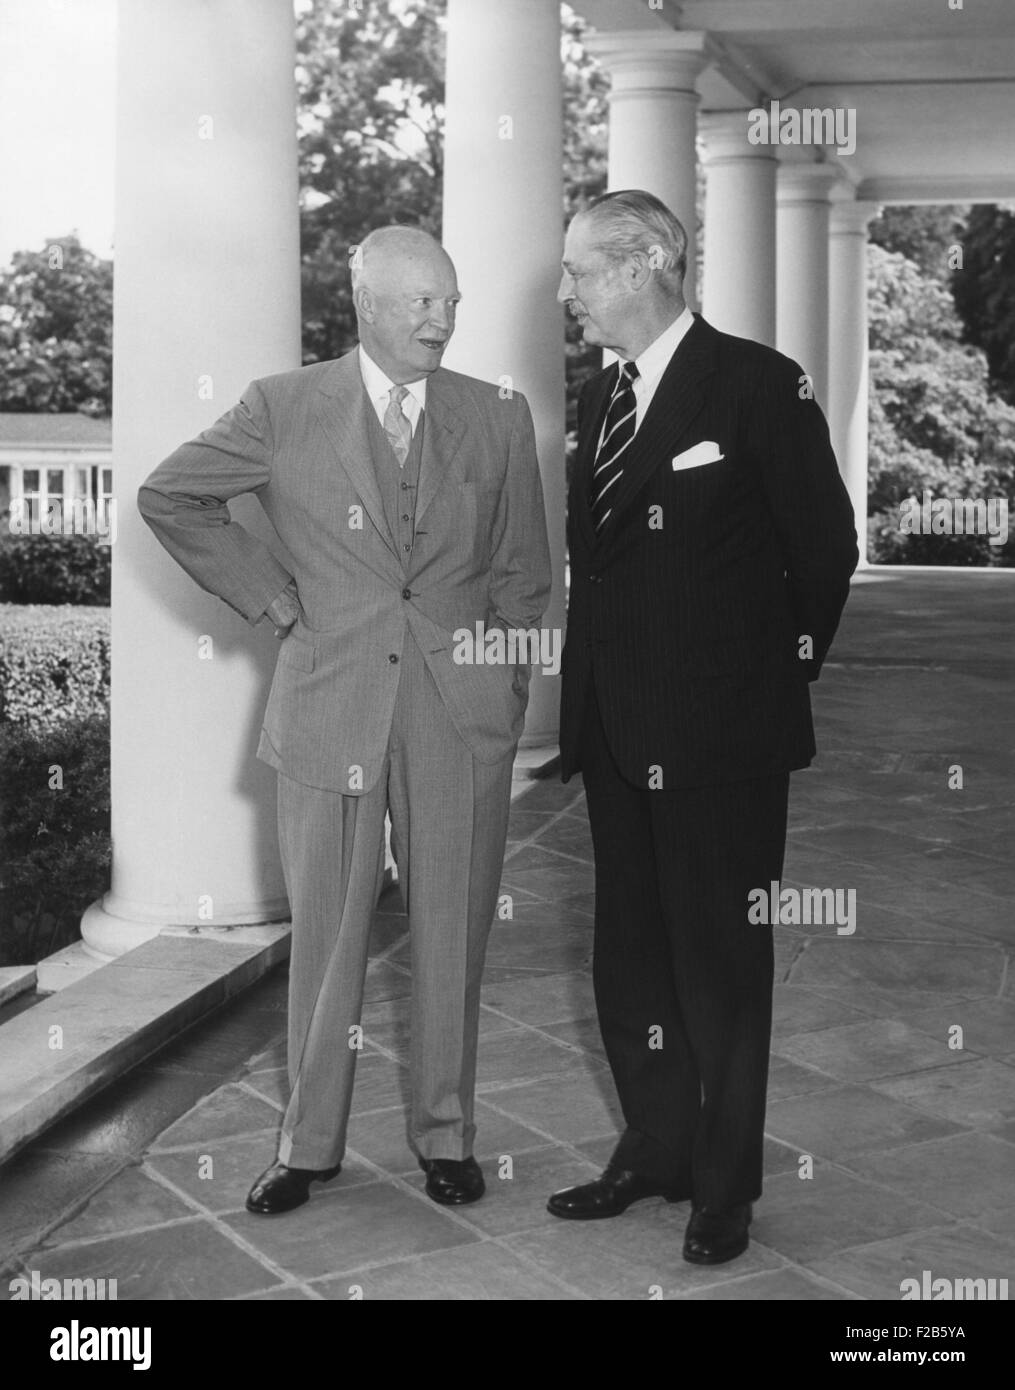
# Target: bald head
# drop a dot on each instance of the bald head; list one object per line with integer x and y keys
{"x": 405, "y": 293}
{"x": 389, "y": 253}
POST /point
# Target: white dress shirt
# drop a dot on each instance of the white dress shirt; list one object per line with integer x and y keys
{"x": 379, "y": 387}
{"x": 652, "y": 363}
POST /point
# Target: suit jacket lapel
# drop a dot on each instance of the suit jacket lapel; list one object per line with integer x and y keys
{"x": 443, "y": 430}
{"x": 677, "y": 400}
{"x": 342, "y": 416}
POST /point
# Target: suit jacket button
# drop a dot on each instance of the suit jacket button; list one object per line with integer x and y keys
{"x": 407, "y": 593}
{"x": 393, "y": 659}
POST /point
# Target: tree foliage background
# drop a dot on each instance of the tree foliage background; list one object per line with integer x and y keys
{"x": 370, "y": 81}
{"x": 371, "y": 94}
{"x": 939, "y": 417}
{"x": 56, "y": 330}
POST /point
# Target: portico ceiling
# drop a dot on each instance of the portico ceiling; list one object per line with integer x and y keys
{"x": 933, "y": 87}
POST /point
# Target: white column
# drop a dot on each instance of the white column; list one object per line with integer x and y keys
{"x": 848, "y": 375}
{"x": 739, "y": 272}
{"x": 207, "y": 297}
{"x": 653, "y": 120}
{"x": 503, "y": 200}
{"x": 802, "y": 268}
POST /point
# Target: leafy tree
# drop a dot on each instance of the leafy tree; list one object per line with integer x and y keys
{"x": 934, "y": 423}
{"x": 586, "y": 118}
{"x": 371, "y": 91}
{"x": 925, "y": 235}
{"x": 56, "y": 327}
{"x": 984, "y": 290}
{"x": 586, "y": 138}
{"x": 370, "y": 81}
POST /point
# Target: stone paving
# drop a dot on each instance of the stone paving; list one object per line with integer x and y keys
{"x": 909, "y": 1124}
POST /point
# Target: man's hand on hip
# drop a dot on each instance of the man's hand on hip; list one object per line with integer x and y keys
{"x": 284, "y": 610}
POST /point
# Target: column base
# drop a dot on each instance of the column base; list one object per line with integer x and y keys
{"x": 105, "y": 935}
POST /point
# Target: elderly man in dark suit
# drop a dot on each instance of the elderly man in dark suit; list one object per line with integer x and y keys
{"x": 711, "y": 546}
{"x": 409, "y": 500}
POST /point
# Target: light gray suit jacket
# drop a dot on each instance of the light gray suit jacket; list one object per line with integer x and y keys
{"x": 299, "y": 441}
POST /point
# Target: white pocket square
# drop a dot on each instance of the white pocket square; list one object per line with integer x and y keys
{"x": 698, "y": 455}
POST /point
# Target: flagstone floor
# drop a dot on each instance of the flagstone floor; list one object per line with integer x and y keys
{"x": 893, "y": 1066}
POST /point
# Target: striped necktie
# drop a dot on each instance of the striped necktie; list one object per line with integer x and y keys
{"x": 618, "y": 431}
{"x": 396, "y": 426}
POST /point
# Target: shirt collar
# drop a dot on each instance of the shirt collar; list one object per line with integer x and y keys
{"x": 379, "y": 385}
{"x": 653, "y": 361}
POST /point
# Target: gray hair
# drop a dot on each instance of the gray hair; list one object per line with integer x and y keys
{"x": 631, "y": 221}
{"x": 383, "y": 240}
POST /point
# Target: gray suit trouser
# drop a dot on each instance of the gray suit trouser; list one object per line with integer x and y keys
{"x": 449, "y": 824}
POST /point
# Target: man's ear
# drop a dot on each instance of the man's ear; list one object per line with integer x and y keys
{"x": 364, "y": 304}
{"x": 639, "y": 269}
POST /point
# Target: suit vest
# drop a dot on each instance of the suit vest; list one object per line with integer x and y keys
{"x": 399, "y": 487}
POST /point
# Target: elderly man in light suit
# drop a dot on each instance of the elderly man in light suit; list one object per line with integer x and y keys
{"x": 409, "y": 499}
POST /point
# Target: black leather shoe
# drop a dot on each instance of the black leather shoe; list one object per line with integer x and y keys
{"x": 609, "y": 1195}
{"x": 453, "y": 1181}
{"x": 281, "y": 1189}
{"x": 713, "y": 1237}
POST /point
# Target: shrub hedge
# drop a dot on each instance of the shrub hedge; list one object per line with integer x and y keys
{"x": 53, "y": 569}
{"x": 886, "y": 546}
{"x": 54, "y": 832}
{"x": 54, "y": 775}
{"x": 54, "y": 663}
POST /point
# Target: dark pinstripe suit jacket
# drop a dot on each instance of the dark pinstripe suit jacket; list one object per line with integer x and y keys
{"x": 689, "y": 609}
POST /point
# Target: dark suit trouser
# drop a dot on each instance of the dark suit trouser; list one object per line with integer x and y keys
{"x": 674, "y": 951}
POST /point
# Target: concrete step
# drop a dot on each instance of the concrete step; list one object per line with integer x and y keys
{"x": 15, "y": 980}
{"x": 66, "y": 966}
{"x": 70, "y": 1045}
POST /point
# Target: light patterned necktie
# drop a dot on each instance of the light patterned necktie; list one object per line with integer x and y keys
{"x": 618, "y": 432}
{"x": 396, "y": 426}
